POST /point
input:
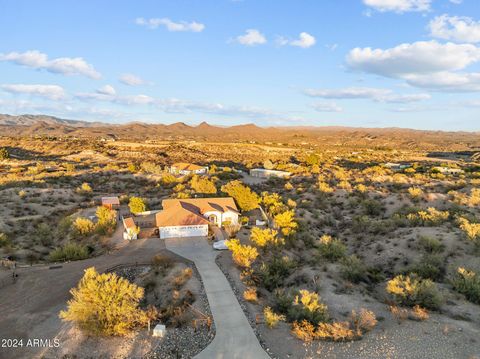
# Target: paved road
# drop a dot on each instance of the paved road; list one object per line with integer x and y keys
{"x": 234, "y": 338}
{"x": 29, "y": 308}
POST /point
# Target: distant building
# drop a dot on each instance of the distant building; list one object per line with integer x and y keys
{"x": 191, "y": 217}
{"x": 448, "y": 170}
{"x": 187, "y": 169}
{"x": 397, "y": 166}
{"x": 111, "y": 202}
{"x": 262, "y": 172}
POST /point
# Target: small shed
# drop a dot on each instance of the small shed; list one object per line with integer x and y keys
{"x": 111, "y": 202}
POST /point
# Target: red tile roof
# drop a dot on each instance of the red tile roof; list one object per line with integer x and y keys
{"x": 110, "y": 200}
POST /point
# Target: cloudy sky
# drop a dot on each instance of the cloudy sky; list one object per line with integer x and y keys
{"x": 368, "y": 63}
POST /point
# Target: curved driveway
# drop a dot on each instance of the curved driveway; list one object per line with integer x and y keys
{"x": 234, "y": 338}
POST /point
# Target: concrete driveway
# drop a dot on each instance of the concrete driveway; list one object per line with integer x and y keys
{"x": 234, "y": 338}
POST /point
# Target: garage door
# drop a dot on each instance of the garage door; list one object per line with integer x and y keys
{"x": 184, "y": 231}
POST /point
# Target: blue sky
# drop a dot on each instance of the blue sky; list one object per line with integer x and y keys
{"x": 366, "y": 63}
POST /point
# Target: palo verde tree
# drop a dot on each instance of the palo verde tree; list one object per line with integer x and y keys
{"x": 137, "y": 205}
{"x": 243, "y": 195}
{"x": 106, "y": 304}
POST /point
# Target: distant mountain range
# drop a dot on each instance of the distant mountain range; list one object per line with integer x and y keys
{"x": 33, "y": 125}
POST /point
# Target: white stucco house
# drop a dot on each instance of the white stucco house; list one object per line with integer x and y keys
{"x": 191, "y": 217}
{"x": 262, "y": 172}
{"x": 187, "y": 169}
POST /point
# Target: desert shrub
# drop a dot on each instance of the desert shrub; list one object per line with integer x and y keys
{"x": 273, "y": 273}
{"x": 84, "y": 188}
{"x": 272, "y": 318}
{"x": 137, "y": 205}
{"x": 3, "y": 154}
{"x": 250, "y": 294}
{"x": 415, "y": 193}
{"x": 231, "y": 229}
{"x": 353, "y": 269}
{"x": 107, "y": 220}
{"x": 69, "y": 252}
{"x": 182, "y": 277}
{"x": 243, "y": 255}
{"x": 286, "y": 222}
{"x": 273, "y": 203}
{"x": 430, "y": 217}
{"x": 243, "y": 195}
{"x": 331, "y": 249}
{"x": 419, "y": 313}
{"x": 410, "y": 290}
{"x": 471, "y": 230}
{"x": 4, "y": 240}
{"x": 307, "y": 306}
{"x": 105, "y": 304}
{"x": 168, "y": 179}
{"x": 471, "y": 200}
{"x": 150, "y": 167}
{"x": 358, "y": 324}
{"x": 467, "y": 282}
{"x": 363, "y": 321}
{"x": 360, "y": 188}
{"x": 430, "y": 245}
{"x": 162, "y": 261}
{"x": 372, "y": 207}
{"x": 324, "y": 187}
{"x": 83, "y": 226}
{"x": 431, "y": 266}
{"x": 265, "y": 237}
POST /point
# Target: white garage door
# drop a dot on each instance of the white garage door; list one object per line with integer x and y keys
{"x": 183, "y": 231}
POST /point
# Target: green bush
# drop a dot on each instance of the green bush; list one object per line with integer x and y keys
{"x": 4, "y": 240}
{"x": 430, "y": 266}
{"x": 307, "y": 306}
{"x": 69, "y": 252}
{"x": 468, "y": 283}
{"x": 430, "y": 245}
{"x": 410, "y": 290}
{"x": 331, "y": 249}
{"x": 273, "y": 273}
{"x": 353, "y": 269}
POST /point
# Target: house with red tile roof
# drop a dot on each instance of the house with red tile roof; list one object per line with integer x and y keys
{"x": 191, "y": 217}
{"x": 187, "y": 169}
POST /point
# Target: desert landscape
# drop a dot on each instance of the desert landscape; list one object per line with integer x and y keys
{"x": 362, "y": 250}
{"x": 240, "y": 179}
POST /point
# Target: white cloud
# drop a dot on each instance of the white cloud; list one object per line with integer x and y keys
{"x": 446, "y": 81}
{"x": 326, "y": 107}
{"x": 425, "y": 64}
{"x": 52, "y": 92}
{"x": 62, "y": 65}
{"x": 399, "y": 6}
{"x": 417, "y": 57}
{"x": 252, "y": 37}
{"x": 132, "y": 80}
{"x": 455, "y": 28}
{"x": 170, "y": 25}
{"x": 107, "y": 90}
{"x": 305, "y": 40}
{"x": 371, "y": 93}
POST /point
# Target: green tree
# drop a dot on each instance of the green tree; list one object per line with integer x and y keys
{"x": 243, "y": 195}
{"x": 105, "y": 304}
{"x": 137, "y": 205}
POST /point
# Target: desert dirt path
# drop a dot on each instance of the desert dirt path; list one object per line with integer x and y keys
{"x": 29, "y": 308}
{"x": 234, "y": 338}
